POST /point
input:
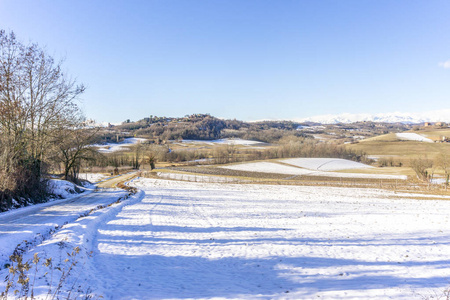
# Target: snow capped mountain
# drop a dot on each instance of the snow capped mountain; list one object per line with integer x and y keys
{"x": 396, "y": 117}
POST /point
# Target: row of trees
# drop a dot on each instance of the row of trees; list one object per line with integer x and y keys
{"x": 293, "y": 146}
{"x": 40, "y": 121}
{"x": 425, "y": 168}
{"x": 149, "y": 154}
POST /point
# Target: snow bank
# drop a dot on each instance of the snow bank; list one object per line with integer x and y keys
{"x": 325, "y": 164}
{"x": 270, "y": 167}
{"x": 413, "y": 137}
{"x": 63, "y": 189}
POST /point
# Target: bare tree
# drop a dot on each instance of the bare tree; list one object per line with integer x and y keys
{"x": 74, "y": 147}
{"x": 420, "y": 166}
{"x": 36, "y": 100}
{"x": 138, "y": 156}
{"x": 152, "y": 152}
{"x": 443, "y": 161}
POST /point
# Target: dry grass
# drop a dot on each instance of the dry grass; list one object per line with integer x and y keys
{"x": 431, "y": 133}
{"x": 382, "y": 171}
{"x": 404, "y": 151}
{"x": 435, "y": 134}
{"x": 401, "y": 149}
{"x": 390, "y": 137}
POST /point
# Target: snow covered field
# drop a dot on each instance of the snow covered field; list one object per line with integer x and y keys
{"x": 188, "y": 240}
{"x": 92, "y": 177}
{"x": 325, "y": 164}
{"x": 197, "y": 178}
{"x": 114, "y": 147}
{"x": 271, "y": 167}
{"x": 225, "y": 142}
{"x": 413, "y": 137}
{"x": 184, "y": 240}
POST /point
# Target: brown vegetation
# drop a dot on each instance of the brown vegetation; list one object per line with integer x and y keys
{"x": 37, "y": 107}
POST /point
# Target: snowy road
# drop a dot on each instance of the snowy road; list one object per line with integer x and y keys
{"x": 26, "y": 223}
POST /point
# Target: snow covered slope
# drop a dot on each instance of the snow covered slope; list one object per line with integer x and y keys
{"x": 272, "y": 167}
{"x": 63, "y": 189}
{"x": 325, "y": 164}
{"x": 409, "y": 136}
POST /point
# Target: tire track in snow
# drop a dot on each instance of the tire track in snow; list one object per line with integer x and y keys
{"x": 325, "y": 163}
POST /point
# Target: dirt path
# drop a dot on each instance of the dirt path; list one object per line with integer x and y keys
{"x": 113, "y": 182}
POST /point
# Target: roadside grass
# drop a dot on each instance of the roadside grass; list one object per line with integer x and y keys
{"x": 21, "y": 282}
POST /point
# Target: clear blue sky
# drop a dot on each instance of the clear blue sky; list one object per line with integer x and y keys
{"x": 245, "y": 59}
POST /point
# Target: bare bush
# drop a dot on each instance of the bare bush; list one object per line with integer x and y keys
{"x": 21, "y": 280}
{"x": 420, "y": 166}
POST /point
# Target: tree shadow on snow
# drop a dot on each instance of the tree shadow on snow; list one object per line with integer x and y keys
{"x": 156, "y": 277}
{"x": 147, "y": 276}
{"x": 131, "y": 266}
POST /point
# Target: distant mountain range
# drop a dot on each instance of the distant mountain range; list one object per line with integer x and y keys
{"x": 396, "y": 117}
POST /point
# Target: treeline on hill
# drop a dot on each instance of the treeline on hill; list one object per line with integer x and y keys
{"x": 40, "y": 123}
{"x": 205, "y": 127}
{"x": 286, "y": 142}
